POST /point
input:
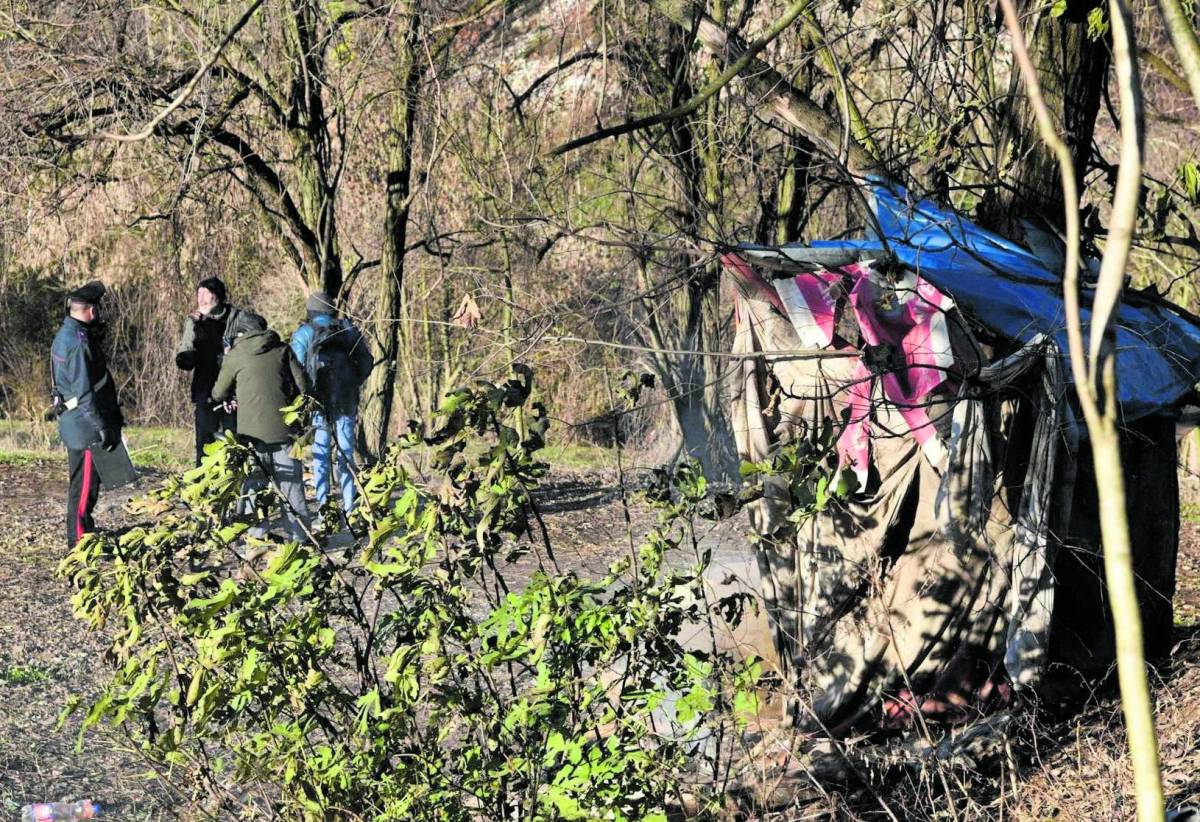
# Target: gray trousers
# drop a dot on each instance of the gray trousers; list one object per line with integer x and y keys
{"x": 278, "y": 468}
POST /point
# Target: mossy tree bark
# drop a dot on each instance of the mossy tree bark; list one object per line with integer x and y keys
{"x": 1071, "y": 68}
{"x": 308, "y": 136}
{"x": 699, "y": 400}
{"x": 381, "y": 386}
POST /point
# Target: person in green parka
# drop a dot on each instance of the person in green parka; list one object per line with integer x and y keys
{"x": 259, "y": 377}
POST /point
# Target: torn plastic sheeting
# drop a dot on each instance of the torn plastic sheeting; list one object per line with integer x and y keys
{"x": 1010, "y": 291}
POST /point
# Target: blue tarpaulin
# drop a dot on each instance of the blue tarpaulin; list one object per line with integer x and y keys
{"x": 1012, "y": 293}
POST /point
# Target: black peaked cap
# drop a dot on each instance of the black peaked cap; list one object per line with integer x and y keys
{"x": 91, "y": 292}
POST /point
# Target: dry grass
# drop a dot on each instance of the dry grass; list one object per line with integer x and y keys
{"x": 1085, "y": 774}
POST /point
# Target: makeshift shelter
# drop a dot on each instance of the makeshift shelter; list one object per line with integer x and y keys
{"x": 967, "y": 562}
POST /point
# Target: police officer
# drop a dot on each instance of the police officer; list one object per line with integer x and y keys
{"x": 87, "y": 398}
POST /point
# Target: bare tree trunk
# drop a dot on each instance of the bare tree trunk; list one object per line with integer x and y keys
{"x": 707, "y": 435}
{"x": 381, "y": 386}
{"x": 1071, "y": 68}
{"x": 689, "y": 318}
{"x": 308, "y": 135}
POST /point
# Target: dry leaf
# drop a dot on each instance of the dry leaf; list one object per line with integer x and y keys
{"x": 467, "y": 314}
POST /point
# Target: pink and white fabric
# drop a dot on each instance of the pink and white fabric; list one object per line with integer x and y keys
{"x": 811, "y": 302}
{"x": 910, "y": 317}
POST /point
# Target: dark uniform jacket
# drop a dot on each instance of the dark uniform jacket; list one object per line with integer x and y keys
{"x": 202, "y": 347}
{"x": 261, "y": 373}
{"x": 82, "y": 380}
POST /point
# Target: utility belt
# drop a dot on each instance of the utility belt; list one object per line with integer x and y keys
{"x": 60, "y": 405}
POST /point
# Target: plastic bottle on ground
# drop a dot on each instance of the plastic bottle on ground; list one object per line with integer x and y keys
{"x": 60, "y": 811}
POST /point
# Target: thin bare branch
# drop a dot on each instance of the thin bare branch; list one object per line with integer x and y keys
{"x": 1096, "y": 381}
{"x": 1183, "y": 37}
{"x": 732, "y": 70}
{"x": 183, "y": 96}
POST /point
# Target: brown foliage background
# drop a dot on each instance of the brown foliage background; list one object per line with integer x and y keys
{"x": 600, "y": 244}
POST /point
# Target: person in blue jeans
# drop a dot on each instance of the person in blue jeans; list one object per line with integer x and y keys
{"x": 337, "y": 360}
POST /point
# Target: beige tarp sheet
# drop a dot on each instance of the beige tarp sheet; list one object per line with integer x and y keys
{"x": 901, "y": 594}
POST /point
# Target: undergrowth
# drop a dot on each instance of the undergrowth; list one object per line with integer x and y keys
{"x": 410, "y": 677}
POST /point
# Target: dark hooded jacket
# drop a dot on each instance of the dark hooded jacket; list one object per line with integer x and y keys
{"x": 202, "y": 347}
{"x": 81, "y": 378}
{"x": 261, "y": 373}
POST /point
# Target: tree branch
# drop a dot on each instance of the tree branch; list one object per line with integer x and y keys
{"x": 191, "y": 86}
{"x": 1183, "y": 37}
{"x": 519, "y": 99}
{"x": 261, "y": 170}
{"x": 789, "y": 104}
{"x": 471, "y": 15}
{"x": 720, "y": 81}
{"x": 1164, "y": 70}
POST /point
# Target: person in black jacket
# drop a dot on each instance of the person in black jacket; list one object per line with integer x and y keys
{"x": 200, "y": 351}
{"x": 87, "y": 397}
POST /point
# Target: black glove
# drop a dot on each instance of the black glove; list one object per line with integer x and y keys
{"x": 185, "y": 360}
{"x": 110, "y": 438}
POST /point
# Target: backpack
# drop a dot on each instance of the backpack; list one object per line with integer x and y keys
{"x": 331, "y": 365}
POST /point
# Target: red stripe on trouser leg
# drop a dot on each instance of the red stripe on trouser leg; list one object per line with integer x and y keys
{"x": 84, "y": 490}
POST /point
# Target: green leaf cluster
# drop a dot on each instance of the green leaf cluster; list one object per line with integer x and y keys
{"x": 807, "y": 468}
{"x": 411, "y": 677}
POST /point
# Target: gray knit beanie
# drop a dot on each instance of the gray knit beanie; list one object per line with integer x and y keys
{"x": 319, "y": 303}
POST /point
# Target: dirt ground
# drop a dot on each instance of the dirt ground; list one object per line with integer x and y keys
{"x": 1080, "y": 772}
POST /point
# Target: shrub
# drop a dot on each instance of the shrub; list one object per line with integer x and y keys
{"x": 410, "y": 677}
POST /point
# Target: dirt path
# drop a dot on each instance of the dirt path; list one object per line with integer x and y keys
{"x": 46, "y": 656}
